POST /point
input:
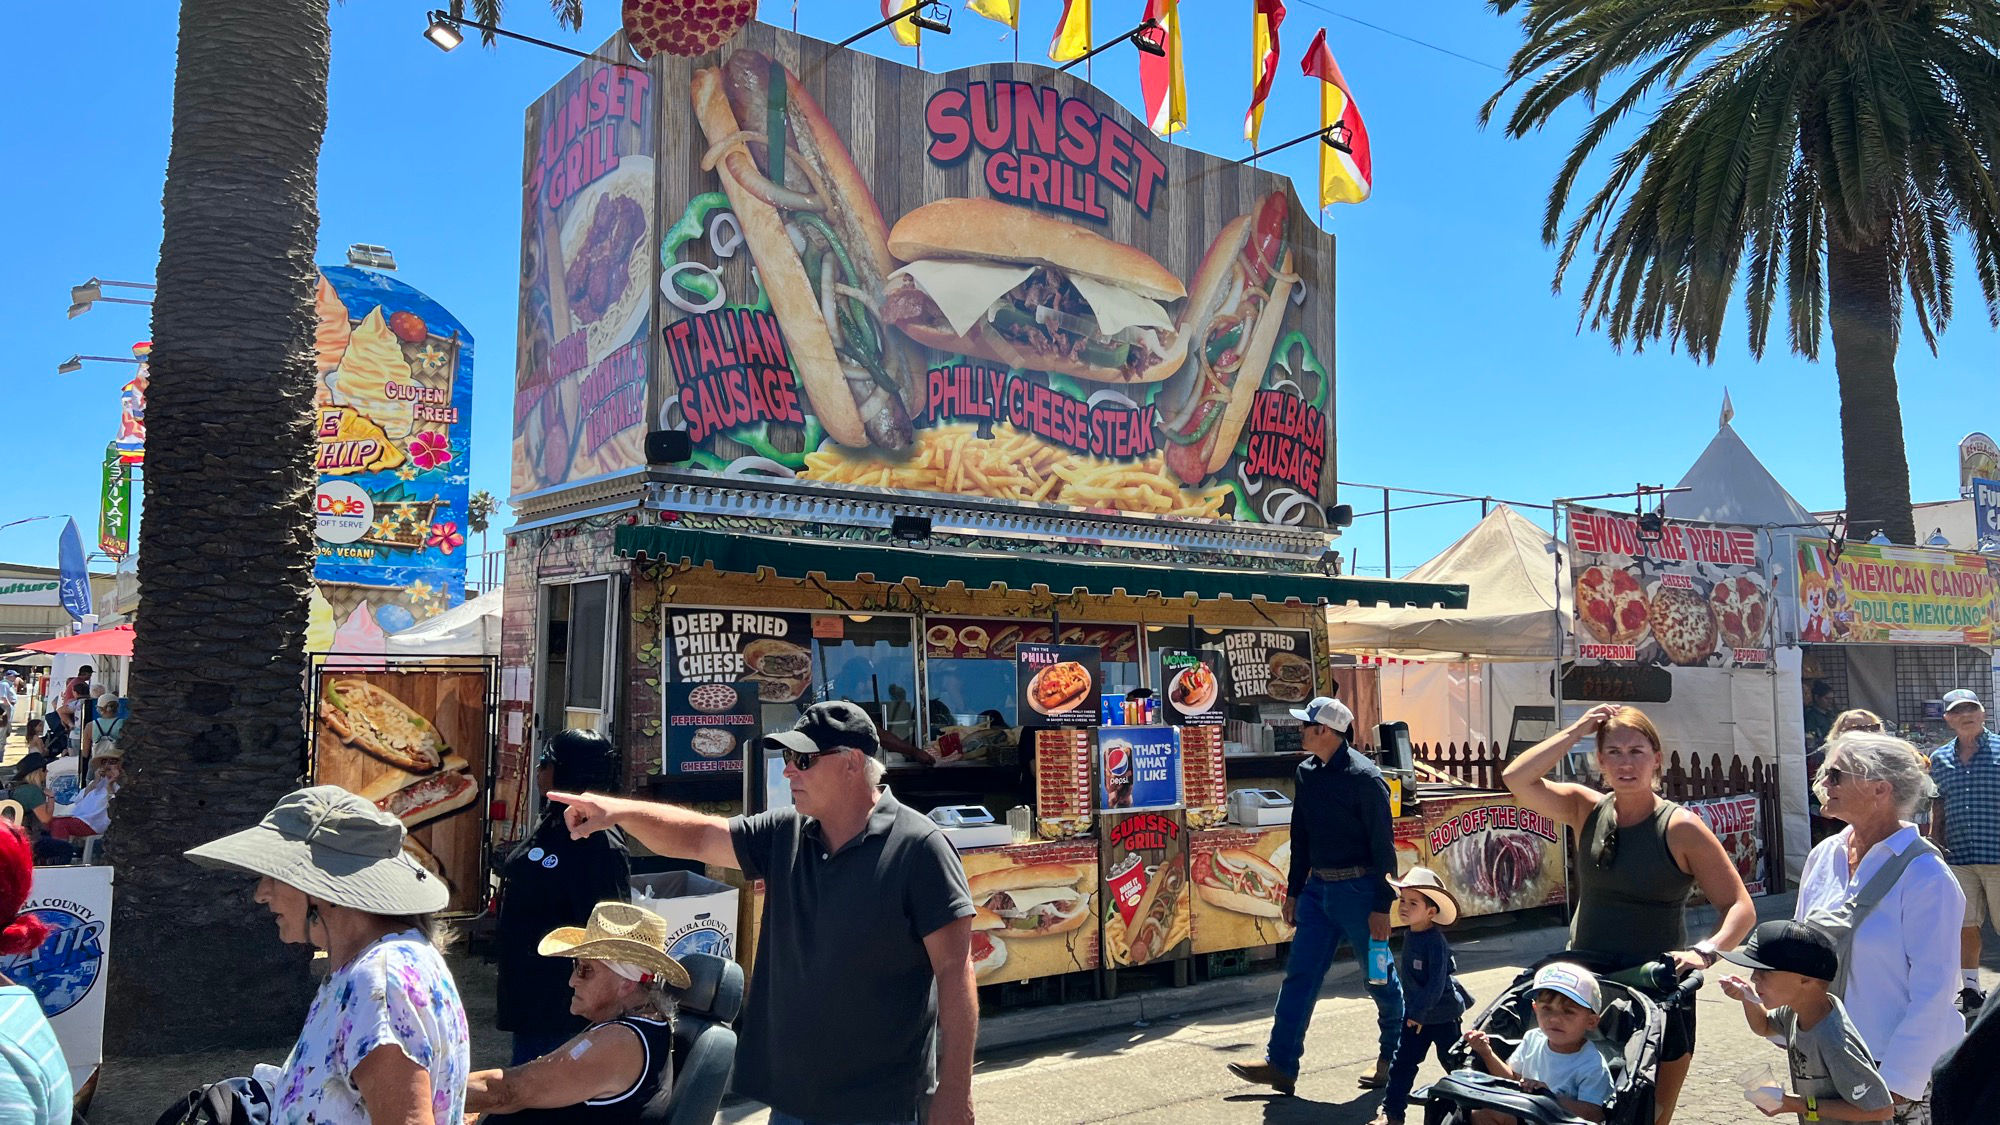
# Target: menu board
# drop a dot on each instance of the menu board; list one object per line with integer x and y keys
{"x": 1034, "y": 910}
{"x": 1239, "y": 887}
{"x": 1145, "y": 899}
{"x": 1191, "y": 683}
{"x": 707, "y": 725}
{"x": 773, "y": 651}
{"x": 1058, "y": 685}
{"x": 967, "y": 638}
{"x": 1139, "y": 768}
{"x": 1268, "y": 665}
{"x": 1204, "y": 780}
{"x": 1062, "y": 783}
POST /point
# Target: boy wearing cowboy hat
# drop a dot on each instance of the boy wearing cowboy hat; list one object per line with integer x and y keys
{"x": 1433, "y": 1000}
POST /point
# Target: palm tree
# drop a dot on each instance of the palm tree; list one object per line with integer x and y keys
{"x": 1847, "y": 145}
{"x": 219, "y": 666}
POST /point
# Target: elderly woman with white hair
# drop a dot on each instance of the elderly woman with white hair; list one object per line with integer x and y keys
{"x": 1893, "y": 907}
{"x": 625, "y": 983}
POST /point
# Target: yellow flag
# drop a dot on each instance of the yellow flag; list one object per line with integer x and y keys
{"x": 906, "y": 31}
{"x": 1000, "y": 11}
{"x": 1072, "y": 38}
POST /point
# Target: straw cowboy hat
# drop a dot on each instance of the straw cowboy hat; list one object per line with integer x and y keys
{"x": 1426, "y": 882}
{"x": 619, "y": 931}
{"x": 335, "y": 846}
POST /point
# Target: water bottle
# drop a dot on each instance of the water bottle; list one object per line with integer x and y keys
{"x": 1378, "y": 962}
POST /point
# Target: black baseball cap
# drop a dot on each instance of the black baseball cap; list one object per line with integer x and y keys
{"x": 826, "y": 727}
{"x": 1788, "y": 947}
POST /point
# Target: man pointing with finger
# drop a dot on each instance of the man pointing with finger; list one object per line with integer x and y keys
{"x": 864, "y": 952}
{"x": 1343, "y": 855}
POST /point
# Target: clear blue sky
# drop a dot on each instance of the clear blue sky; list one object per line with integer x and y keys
{"x": 1458, "y": 369}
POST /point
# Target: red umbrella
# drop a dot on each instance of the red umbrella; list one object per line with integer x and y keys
{"x": 116, "y": 641}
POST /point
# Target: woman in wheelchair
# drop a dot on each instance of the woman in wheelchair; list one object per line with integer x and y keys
{"x": 625, "y": 984}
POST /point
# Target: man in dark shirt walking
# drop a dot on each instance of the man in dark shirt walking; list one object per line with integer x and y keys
{"x": 864, "y": 955}
{"x": 1343, "y": 855}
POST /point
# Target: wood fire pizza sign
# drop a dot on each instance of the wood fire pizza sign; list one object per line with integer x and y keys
{"x": 1678, "y": 593}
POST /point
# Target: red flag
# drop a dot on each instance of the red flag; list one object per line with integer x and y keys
{"x": 1346, "y": 169}
{"x": 1161, "y": 81}
{"x": 1263, "y": 62}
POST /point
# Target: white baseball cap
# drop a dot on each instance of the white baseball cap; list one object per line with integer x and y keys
{"x": 1572, "y": 980}
{"x": 1327, "y": 712}
{"x": 1961, "y": 697}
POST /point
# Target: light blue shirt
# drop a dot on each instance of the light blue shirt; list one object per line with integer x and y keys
{"x": 1583, "y": 1076}
{"x": 34, "y": 1078}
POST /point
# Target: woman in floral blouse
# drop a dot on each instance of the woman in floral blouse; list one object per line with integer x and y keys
{"x": 385, "y": 1040}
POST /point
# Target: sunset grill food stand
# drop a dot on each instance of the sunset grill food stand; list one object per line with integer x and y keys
{"x": 978, "y": 446}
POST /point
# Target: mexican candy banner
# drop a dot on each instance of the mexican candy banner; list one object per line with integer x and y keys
{"x": 1896, "y": 595}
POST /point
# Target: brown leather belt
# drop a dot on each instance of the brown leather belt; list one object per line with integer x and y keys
{"x": 1338, "y": 874}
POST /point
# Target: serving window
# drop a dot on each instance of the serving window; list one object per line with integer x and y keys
{"x": 970, "y": 713}
{"x": 871, "y": 660}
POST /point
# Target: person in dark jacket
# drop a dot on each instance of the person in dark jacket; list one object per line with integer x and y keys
{"x": 1966, "y": 1085}
{"x": 1433, "y": 1004}
{"x": 1343, "y": 856}
{"x": 548, "y": 882}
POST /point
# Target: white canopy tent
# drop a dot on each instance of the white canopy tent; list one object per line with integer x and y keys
{"x": 1509, "y": 568}
{"x": 470, "y": 629}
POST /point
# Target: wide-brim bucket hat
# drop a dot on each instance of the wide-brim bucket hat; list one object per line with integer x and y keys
{"x": 335, "y": 846}
{"x": 619, "y": 931}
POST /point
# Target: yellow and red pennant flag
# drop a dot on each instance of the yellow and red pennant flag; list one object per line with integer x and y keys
{"x": 1265, "y": 18}
{"x": 999, "y": 11}
{"x": 906, "y": 31}
{"x": 1072, "y": 37}
{"x": 1346, "y": 169}
{"x": 1161, "y": 81}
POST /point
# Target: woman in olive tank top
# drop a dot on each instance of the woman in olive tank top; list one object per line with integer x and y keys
{"x": 1638, "y": 856}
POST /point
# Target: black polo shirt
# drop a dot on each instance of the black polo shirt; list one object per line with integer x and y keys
{"x": 841, "y": 1019}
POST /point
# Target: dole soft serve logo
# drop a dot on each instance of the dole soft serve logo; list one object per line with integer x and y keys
{"x": 342, "y": 512}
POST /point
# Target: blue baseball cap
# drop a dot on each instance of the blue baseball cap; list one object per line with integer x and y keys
{"x": 1327, "y": 712}
{"x": 1961, "y": 697}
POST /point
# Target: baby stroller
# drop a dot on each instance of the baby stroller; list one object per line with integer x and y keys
{"x": 1629, "y": 1033}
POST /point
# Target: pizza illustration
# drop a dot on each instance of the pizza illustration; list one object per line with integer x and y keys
{"x": 1683, "y": 623}
{"x": 1611, "y": 605}
{"x": 1742, "y": 610}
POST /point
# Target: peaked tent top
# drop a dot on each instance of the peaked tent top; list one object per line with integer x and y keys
{"x": 1508, "y": 566}
{"x": 1732, "y": 486}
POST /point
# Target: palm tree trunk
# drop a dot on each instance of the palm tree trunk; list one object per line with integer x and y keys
{"x": 1863, "y": 306}
{"x": 227, "y": 547}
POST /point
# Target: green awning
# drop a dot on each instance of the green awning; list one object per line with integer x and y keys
{"x": 796, "y": 558}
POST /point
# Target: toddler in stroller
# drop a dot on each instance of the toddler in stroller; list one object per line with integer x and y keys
{"x": 1630, "y": 1026}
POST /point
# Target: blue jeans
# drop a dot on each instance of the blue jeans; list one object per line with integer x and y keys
{"x": 1410, "y": 1055}
{"x": 1328, "y": 912}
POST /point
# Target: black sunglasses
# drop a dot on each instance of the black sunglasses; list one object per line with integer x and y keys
{"x": 802, "y": 760}
{"x": 1604, "y": 850}
{"x": 1831, "y": 776}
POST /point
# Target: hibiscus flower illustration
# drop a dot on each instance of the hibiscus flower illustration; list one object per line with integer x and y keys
{"x": 430, "y": 450}
{"x": 445, "y": 537}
